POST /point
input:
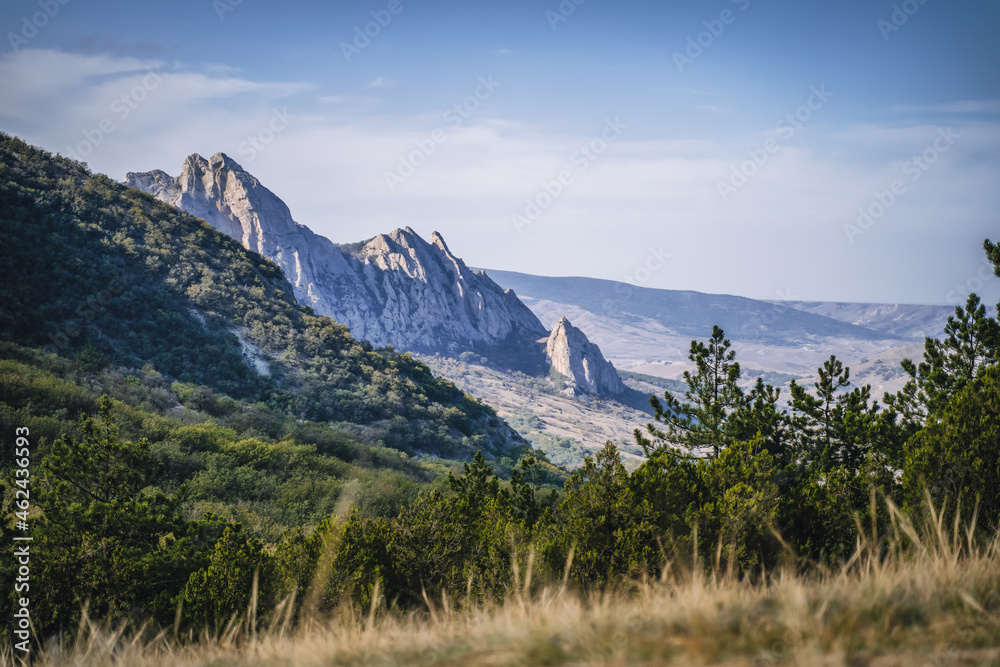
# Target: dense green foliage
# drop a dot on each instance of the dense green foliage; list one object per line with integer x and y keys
{"x": 775, "y": 483}
{"x": 128, "y": 501}
{"x": 108, "y": 538}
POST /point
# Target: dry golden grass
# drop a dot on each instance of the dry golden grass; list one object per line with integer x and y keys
{"x": 937, "y": 604}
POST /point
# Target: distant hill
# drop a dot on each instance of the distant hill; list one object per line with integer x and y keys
{"x": 686, "y": 313}
{"x": 648, "y": 331}
{"x": 904, "y": 320}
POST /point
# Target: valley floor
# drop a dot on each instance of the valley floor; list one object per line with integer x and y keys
{"x": 564, "y": 426}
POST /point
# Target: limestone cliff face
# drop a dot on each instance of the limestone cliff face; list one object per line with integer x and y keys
{"x": 431, "y": 300}
{"x": 393, "y": 289}
{"x": 581, "y": 362}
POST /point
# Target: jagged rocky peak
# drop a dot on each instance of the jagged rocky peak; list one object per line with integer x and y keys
{"x": 395, "y": 288}
{"x": 581, "y": 362}
{"x": 400, "y": 249}
{"x": 438, "y": 240}
{"x": 435, "y": 293}
{"x": 221, "y": 161}
{"x": 404, "y": 250}
{"x": 225, "y": 196}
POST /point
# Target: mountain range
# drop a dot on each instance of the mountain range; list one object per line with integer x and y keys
{"x": 394, "y": 289}
{"x": 689, "y": 313}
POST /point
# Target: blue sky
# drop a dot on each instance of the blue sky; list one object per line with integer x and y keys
{"x": 787, "y": 149}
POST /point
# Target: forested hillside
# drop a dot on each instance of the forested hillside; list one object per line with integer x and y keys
{"x": 94, "y": 270}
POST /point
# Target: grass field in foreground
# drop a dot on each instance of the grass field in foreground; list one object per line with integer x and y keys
{"x": 936, "y": 602}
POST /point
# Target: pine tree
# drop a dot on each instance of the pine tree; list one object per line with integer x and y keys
{"x": 972, "y": 342}
{"x": 759, "y": 418}
{"x": 956, "y": 458}
{"x": 230, "y": 585}
{"x": 833, "y": 426}
{"x": 704, "y": 418}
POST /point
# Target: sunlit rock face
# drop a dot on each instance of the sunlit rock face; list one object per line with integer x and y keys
{"x": 581, "y": 362}
{"x": 393, "y": 289}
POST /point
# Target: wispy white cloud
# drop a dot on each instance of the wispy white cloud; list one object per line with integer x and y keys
{"x": 57, "y": 89}
{"x": 349, "y": 104}
{"x": 379, "y": 82}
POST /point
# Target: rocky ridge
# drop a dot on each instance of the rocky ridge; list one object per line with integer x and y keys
{"x": 395, "y": 288}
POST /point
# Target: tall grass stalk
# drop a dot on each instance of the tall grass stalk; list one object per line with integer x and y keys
{"x": 928, "y": 593}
